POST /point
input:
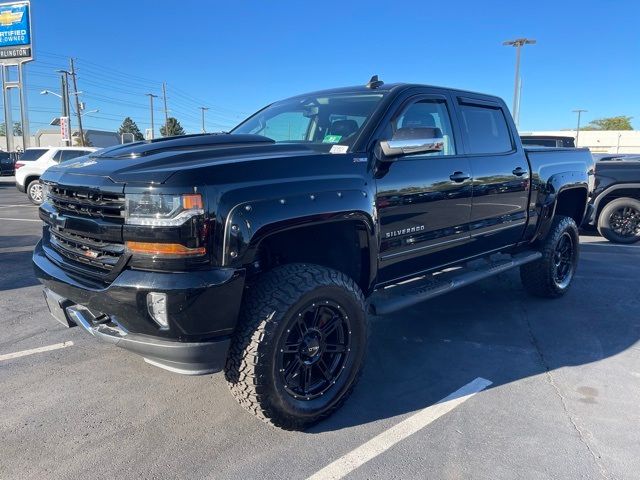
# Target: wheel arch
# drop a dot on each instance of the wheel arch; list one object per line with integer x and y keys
{"x": 311, "y": 229}
{"x": 613, "y": 192}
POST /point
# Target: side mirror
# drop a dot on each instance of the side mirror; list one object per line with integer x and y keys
{"x": 391, "y": 149}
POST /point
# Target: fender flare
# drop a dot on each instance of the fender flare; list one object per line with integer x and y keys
{"x": 548, "y": 197}
{"x": 249, "y": 223}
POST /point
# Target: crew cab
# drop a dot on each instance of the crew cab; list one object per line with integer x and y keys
{"x": 34, "y": 161}
{"x": 262, "y": 251}
{"x": 615, "y": 199}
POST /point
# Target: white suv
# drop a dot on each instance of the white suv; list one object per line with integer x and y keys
{"x": 34, "y": 161}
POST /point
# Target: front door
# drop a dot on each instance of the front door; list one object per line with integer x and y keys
{"x": 423, "y": 200}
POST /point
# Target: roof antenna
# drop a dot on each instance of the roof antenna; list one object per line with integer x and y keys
{"x": 374, "y": 82}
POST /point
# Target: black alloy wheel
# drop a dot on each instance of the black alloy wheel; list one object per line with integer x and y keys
{"x": 619, "y": 221}
{"x": 552, "y": 274}
{"x": 314, "y": 350}
{"x": 564, "y": 261}
{"x": 625, "y": 221}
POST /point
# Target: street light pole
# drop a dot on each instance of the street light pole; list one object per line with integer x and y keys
{"x": 203, "y": 110}
{"x": 75, "y": 89}
{"x": 578, "y": 111}
{"x": 518, "y": 43}
{"x": 65, "y": 101}
{"x": 151, "y": 97}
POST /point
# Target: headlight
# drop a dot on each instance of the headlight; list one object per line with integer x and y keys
{"x": 157, "y": 209}
{"x": 46, "y": 191}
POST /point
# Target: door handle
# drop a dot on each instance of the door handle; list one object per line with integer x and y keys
{"x": 459, "y": 177}
{"x": 518, "y": 172}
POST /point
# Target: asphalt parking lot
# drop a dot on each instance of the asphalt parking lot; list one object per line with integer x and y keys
{"x": 563, "y": 400}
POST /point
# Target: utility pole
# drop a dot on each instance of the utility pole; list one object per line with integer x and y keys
{"x": 75, "y": 90}
{"x": 64, "y": 79}
{"x": 578, "y": 111}
{"x": 166, "y": 112}
{"x": 518, "y": 43}
{"x": 203, "y": 110}
{"x": 151, "y": 97}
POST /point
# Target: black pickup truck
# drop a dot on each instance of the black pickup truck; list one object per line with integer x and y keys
{"x": 615, "y": 198}
{"x": 262, "y": 251}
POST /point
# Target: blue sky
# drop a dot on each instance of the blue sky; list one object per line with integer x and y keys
{"x": 234, "y": 57}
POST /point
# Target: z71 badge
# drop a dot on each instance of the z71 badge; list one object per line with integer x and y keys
{"x": 404, "y": 231}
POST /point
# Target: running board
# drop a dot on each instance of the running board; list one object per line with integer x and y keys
{"x": 397, "y": 297}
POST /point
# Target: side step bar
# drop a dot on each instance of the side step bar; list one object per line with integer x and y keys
{"x": 398, "y": 297}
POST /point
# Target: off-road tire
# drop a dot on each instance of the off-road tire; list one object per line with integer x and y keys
{"x": 31, "y": 192}
{"x": 604, "y": 220}
{"x": 270, "y": 306}
{"x": 539, "y": 277}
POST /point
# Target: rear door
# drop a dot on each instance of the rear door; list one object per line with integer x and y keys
{"x": 500, "y": 174}
{"x": 423, "y": 200}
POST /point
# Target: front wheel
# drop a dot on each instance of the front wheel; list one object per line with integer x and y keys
{"x": 300, "y": 345}
{"x": 35, "y": 192}
{"x": 551, "y": 275}
{"x": 619, "y": 221}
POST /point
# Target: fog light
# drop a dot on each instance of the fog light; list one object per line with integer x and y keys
{"x": 157, "y": 306}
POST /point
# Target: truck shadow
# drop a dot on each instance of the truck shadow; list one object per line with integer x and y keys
{"x": 492, "y": 330}
{"x": 15, "y": 266}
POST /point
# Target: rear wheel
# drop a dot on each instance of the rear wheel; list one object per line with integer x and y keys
{"x": 619, "y": 221}
{"x": 35, "y": 192}
{"x": 300, "y": 345}
{"x": 551, "y": 275}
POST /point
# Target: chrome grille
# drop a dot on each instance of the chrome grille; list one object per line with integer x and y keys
{"x": 86, "y": 250}
{"x": 95, "y": 254}
{"x": 88, "y": 203}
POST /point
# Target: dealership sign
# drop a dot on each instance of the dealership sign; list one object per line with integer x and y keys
{"x": 64, "y": 129}
{"x": 15, "y": 33}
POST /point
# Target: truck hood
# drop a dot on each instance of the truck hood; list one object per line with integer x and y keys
{"x": 153, "y": 162}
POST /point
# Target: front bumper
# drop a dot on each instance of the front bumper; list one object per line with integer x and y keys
{"x": 203, "y": 308}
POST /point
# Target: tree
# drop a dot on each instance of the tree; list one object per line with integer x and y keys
{"x": 129, "y": 126}
{"x": 78, "y": 143}
{"x": 621, "y": 122}
{"x": 17, "y": 129}
{"x": 172, "y": 128}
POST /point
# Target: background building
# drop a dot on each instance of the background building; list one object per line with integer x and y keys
{"x": 600, "y": 141}
{"x": 52, "y": 138}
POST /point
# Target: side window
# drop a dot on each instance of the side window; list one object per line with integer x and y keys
{"x": 428, "y": 118}
{"x": 71, "y": 154}
{"x": 57, "y": 157}
{"x": 284, "y": 127}
{"x": 486, "y": 129}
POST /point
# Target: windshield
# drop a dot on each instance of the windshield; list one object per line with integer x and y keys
{"x": 333, "y": 119}
{"x": 32, "y": 154}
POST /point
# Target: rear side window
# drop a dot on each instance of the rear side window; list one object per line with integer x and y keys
{"x": 486, "y": 129}
{"x": 32, "y": 154}
{"x": 71, "y": 154}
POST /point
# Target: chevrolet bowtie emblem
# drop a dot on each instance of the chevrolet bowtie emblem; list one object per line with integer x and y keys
{"x": 7, "y": 17}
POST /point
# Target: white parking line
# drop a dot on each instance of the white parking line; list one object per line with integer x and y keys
{"x": 24, "y": 353}
{"x": 20, "y": 219}
{"x": 19, "y": 205}
{"x": 387, "y": 439}
{"x": 611, "y": 245}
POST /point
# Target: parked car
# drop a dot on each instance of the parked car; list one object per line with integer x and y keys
{"x": 261, "y": 251}
{"x": 34, "y": 161}
{"x": 616, "y": 197}
{"x": 7, "y": 161}
{"x": 554, "y": 141}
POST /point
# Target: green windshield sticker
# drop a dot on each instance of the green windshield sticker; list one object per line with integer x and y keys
{"x": 331, "y": 138}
